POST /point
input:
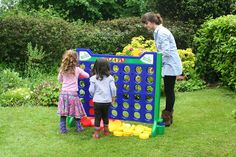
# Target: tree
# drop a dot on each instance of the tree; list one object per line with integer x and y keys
{"x": 92, "y": 10}
{"x": 7, "y": 4}
{"x": 195, "y": 10}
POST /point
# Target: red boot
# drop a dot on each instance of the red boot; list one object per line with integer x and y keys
{"x": 96, "y": 133}
{"x": 106, "y": 131}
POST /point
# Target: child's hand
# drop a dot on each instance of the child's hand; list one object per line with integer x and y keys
{"x": 113, "y": 99}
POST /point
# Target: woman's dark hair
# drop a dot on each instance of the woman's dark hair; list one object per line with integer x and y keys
{"x": 152, "y": 17}
{"x": 101, "y": 67}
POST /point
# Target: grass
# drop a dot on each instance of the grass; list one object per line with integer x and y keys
{"x": 203, "y": 126}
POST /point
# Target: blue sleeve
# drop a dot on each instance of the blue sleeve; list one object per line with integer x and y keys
{"x": 164, "y": 44}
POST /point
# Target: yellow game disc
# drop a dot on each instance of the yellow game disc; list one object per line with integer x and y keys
{"x": 148, "y": 129}
{"x": 117, "y": 122}
{"x": 147, "y": 132}
{"x": 144, "y": 136}
{"x": 118, "y": 133}
{"x": 132, "y": 127}
{"x": 136, "y": 133}
{"x": 112, "y": 128}
{"x": 139, "y": 129}
{"x": 127, "y": 132}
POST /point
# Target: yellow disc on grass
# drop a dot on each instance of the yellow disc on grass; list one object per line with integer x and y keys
{"x": 127, "y": 132}
{"x": 147, "y": 132}
{"x": 118, "y": 133}
{"x": 148, "y": 129}
{"x": 112, "y": 128}
{"x": 136, "y": 133}
{"x": 139, "y": 129}
{"x": 144, "y": 136}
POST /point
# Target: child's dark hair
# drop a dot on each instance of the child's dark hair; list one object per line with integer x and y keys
{"x": 101, "y": 67}
{"x": 152, "y": 17}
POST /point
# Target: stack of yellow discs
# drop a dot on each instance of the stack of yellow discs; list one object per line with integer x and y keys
{"x": 125, "y": 129}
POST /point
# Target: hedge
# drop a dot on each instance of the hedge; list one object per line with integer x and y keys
{"x": 54, "y": 35}
{"x": 183, "y": 32}
{"x": 215, "y": 46}
{"x": 195, "y": 11}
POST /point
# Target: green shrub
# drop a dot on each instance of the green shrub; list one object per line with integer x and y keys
{"x": 15, "y": 97}
{"x": 11, "y": 84}
{"x": 92, "y": 10}
{"x": 182, "y": 31}
{"x": 10, "y": 79}
{"x": 192, "y": 80}
{"x": 35, "y": 60}
{"x": 190, "y": 85}
{"x": 16, "y": 31}
{"x": 46, "y": 93}
{"x": 132, "y": 27}
{"x": 101, "y": 41}
{"x": 55, "y": 35}
{"x": 188, "y": 60}
{"x": 215, "y": 45}
{"x": 195, "y": 10}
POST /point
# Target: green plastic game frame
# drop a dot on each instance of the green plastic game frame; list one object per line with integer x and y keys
{"x": 158, "y": 129}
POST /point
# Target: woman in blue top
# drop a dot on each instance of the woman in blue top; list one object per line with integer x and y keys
{"x": 171, "y": 63}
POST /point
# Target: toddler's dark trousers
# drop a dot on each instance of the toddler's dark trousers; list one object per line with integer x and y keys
{"x": 101, "y": 112}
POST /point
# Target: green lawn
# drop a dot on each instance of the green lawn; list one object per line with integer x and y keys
{"x": 203, "y": 127}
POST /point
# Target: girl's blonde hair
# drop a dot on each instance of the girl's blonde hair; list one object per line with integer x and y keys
{"x": 152, "y": 17}
{"x": 69, "y": 62}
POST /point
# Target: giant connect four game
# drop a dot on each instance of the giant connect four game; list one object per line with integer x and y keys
{"x": 138, "y": 81}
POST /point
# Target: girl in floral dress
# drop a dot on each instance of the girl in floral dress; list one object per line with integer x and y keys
{"x": 69, "y": 103}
